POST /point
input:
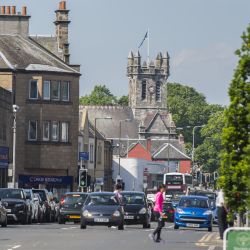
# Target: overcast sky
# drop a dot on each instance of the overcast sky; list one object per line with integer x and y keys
{"x": 200, "y": 36}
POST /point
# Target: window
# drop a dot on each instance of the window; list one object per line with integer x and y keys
{"x": 55, "y": 131}
{"x": 46, "y": 128}
{"x": 32, "y": 133}
{"x": 33, "y": 89}
{"x": 158, "y": 91}
{"x": 91, "y": 153}
{"x": 143, "y": 90}
{"x": 55, "y": 90}
{"x": 65, "y": 132}
{"x": 65, "y": 91}
{"x": 46, "y": 90}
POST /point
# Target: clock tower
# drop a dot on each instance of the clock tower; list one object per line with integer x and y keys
{"x": 146, "y": 84}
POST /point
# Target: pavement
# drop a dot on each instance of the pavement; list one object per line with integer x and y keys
{"x": 71, "y": 237}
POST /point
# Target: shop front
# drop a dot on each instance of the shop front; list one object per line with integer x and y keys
{"x": 58, "y": 185}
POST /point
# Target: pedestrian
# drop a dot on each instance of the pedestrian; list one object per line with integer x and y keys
{"x": 117, "y": 192}
{"x": 221, "y": 213}
{"x": 158, "y": 214}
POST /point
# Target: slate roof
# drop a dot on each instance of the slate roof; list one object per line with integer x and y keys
{"x": 23, "y": 53}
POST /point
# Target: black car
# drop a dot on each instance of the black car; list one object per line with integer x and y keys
{"x": 49, "y": 214}
{"x": 3, "y": 215}
{"x": 136, "y": 209}
{"x": 169, "y": 210}
{"x": 17, "y": 207}
{"x": 70, "y": 207}
{"x": 102, "y": 208}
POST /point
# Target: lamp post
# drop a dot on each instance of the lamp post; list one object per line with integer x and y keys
{"x": 95, "y": 143}
{"x": 119, "y": 149}
{"x": 15, "y": 110}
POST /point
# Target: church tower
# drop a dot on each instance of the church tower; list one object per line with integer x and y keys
{"x": 146, "y": 83}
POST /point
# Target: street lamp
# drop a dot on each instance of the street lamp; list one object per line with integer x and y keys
{"x": 119, "y": 150}
{"x": 15, "y": 110}
{"x": 95, "y": 141}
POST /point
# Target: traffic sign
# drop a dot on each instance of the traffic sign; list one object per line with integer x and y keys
{"x": 84, "y": 156}
{"x": 237, "y": 238}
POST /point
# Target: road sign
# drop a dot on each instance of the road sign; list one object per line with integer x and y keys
{"x": 237, "y": 238}
{"x": 84, "y": 156}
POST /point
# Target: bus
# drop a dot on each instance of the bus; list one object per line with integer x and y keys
{"x": 177, "y": 184}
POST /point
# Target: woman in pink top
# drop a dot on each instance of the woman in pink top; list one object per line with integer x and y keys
{"x": 156, "y": 236}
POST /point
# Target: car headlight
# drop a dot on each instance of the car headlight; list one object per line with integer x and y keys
{"x": 180, "y": 211}
{"x": 117, "y": 213}
{"x": 143, "y": 211}
{"x": 86, "y": 213}
{"x": 208, "y": 212}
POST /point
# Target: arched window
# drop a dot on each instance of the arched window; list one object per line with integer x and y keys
{"x": 158, "y": 91}
{"x": 143, "y": 90}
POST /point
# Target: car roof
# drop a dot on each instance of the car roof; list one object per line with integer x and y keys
{"x": 104, "y": 193}
{"x": 195, "y": 197}
{"x": 75, "y": 193}
{"x": 132, "y": 192}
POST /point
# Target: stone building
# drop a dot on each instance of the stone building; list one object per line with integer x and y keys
{"x": 5, "y": 135}
{"x": 46, "y": 88}
{"x": 146, "y": 121}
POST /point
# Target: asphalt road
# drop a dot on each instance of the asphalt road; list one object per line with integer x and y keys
{"x": 71, "y": 237}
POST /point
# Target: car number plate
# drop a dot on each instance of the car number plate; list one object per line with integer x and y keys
{"x": 101, "y": 220}
{"x": 74, "y": 216}
{"x": 8, "y": 210}
{"x": 128, "y": 217}
{"x": 192, "y": 225}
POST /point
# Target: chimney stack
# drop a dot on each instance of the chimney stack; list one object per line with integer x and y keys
{"x": 2, "y": 10}
{"x": 24, "y": 11}
{"x": 13, "y": 10}
{"x": 7, "y": 10}
{"x": 62, "y": 5}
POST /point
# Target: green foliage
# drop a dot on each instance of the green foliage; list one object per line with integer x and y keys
{"x": 189, "y": 108}
{"x": 235, "y": 167}
{"x": 102, "y": 96}
{"x": 207, "y": 154}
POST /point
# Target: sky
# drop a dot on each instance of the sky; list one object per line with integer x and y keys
{"x": 200, "y": 36}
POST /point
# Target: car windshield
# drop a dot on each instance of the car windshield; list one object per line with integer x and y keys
{"x": 193, "y": 202}
{"x": 41, "y": 194}
{"x": 211, "y": 196}
{"x": 133, "y": 199}
{"x": 11, "y": 194}
{"x": 75, "y": 198}
{"x": 102, "y": 200}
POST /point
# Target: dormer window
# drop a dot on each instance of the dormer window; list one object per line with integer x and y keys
{"x": 158, "y": 91}
{"x": 143, "y": 90}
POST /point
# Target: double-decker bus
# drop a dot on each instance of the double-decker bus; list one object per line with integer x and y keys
{"x": 177, "y": 183}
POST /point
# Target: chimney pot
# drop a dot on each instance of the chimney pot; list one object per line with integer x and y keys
{"x": 3, "y": 10}
{"x": 13, "y": 10}
{"x": 7, "y": 10}
{"x": 24, "y": 11}
{"x": 62, "y": 5}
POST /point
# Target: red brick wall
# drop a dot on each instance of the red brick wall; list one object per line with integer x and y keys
{"x": 138, "y": 151}
{"x": 185, "y": 166}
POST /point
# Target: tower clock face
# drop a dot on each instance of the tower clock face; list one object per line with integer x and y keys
{"x": 151, "y": 89}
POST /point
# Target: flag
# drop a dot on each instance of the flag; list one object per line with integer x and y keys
{"x": 145, "y": 37}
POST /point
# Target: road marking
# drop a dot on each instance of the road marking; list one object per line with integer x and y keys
{"x": 17, "y": 246}
{"x": 169, "y": 226}
{"x": 211, "y": 248}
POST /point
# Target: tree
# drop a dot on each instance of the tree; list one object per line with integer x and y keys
{"x": 123, "y": 101}
{"x": 207, "y": 154}
{"x": 101, "y": 95}
{"x": 189, "y": 108}
{"x": 235, "y": 166}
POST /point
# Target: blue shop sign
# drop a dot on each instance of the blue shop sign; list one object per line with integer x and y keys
{"x": 84, "y": 156}
{"x": 4, "y": 157}
{"x": 38, "y": 179}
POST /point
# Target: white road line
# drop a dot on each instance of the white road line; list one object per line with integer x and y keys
{"x": 169, "y": 226}
{"x": 211, "y": 248}
{"x": 17, "y": 246}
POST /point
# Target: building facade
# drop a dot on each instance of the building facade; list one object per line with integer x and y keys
{"x": 46, "y": 89}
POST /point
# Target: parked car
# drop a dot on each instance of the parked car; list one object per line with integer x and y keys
{"x": 46, "y": 203}
{"x": 169, "y": 211}
{"x": 136, "y": 209}
{"x": 70, "y": 207}
{"x": 193, "y": 211}
{"x": 17, "y": 206}
{"x": 102, "y": 208}
{"x": 3, "y": 215}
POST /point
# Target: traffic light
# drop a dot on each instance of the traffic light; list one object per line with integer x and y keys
{"x": 83, "y": 177}
{"x": 195, "y": 175}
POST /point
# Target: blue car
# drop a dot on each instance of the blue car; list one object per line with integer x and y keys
{"x": 193, "y": 211}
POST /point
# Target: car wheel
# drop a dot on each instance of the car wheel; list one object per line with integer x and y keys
{"x": 121, "y": 227}
{"x": 61, "y": 220}
{"x": 210, "y": 229}
{"x": 176, "y": 227}
{"x": 4, "y": 224}
{"x": 145, "y": 225}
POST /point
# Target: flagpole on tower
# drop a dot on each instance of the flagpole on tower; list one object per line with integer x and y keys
{"x": 148, "y": 45}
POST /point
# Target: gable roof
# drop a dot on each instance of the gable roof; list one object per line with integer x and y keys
{"x": 23, "y": 53}
{"x": 168, "y": 151}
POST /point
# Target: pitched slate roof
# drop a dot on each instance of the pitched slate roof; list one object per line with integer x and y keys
{"x": 23, "y": 53}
